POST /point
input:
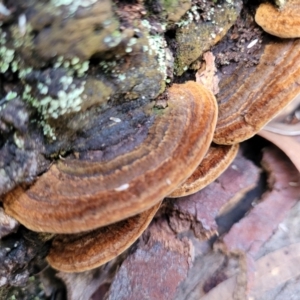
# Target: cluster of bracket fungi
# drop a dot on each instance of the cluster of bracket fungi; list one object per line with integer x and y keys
{"x": 98, "y": 209}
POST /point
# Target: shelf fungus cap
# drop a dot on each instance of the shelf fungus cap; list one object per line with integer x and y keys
{"x": 282, "y": 22}
{"x": 251, "y": 97}
{"x": 84, "y": 251}
{"x": 215, "y": 162}
{"x": 75, "y": 196}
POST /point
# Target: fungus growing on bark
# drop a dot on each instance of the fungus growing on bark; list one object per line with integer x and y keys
{"x": 250, "y": 98}
{"x": 215, "y": 162}
{"x": 284, "y": 23}
{"x": 88, "y": 250}
{"x": 76, "y": 196}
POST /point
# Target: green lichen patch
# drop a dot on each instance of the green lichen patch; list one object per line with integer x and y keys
{"x": 142, "y": 73}
{"x": 196, "y": 37}
{"x": 169, "y": 10}
{"x": 11, "y": 95}
{"x": 156, "y": 47}
{"x": 75, "y": 29}
{"x": 53, "y": 93}
{"x": 54, "y": 54}
{"x": 7, "y": 53}
{"x": 74, "y": 66}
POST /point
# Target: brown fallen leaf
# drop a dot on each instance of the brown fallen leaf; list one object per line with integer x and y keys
{"x": 288, "y": 144}
{"x": 282, "y": 123}
{"x": 206, "y": 75}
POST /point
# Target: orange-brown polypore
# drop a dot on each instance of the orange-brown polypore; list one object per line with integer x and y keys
{"x": 76, "y": 196}
{"x": 85, "y": 251}
{"x": 251, "y": 98}
{"x": 284, "y": 23}
{"x": 215, "y": 162}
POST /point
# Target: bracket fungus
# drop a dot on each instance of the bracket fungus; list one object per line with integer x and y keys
{"x": 75, "y": 196}
{"x": 85, "y": 251}
{"x": 215, "y": 162}
{"x": 99, "y": 206}
{"x": 250, "y": 98}
{"x": 284, "y": 22}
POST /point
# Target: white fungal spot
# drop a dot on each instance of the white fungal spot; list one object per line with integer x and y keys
{"x": 122, "y": 187}
{"x": 251, "y": 44}
{"x": 168, "y": 181}
{"x": 3, "y": 10}
{"x": 22, "y": 24}
{"x": 117, "y": 120}
{"x": 3, "y": 281}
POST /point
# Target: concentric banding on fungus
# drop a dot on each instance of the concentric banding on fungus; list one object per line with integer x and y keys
{"x": 284, "y": 23}
{"x": 76, "y": 196}
{"x": 215, "y": 162}
{"x": 248, "y": 102}
{"x": 84, "y": 251}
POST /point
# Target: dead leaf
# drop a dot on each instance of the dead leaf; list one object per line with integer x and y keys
{"x": 289, "y": 145}
{"x": 283, "y": 129}
{"x": 283, "y": 117}
{"x": 287, "y": 121}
